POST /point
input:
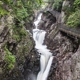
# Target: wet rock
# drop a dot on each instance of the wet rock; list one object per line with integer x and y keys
{"x": 47, "y": 20}
{"x": 32, "y": 64}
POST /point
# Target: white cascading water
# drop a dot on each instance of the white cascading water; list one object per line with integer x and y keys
{"x": 46, "y": 56}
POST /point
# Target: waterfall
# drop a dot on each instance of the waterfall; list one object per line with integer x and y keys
{"x": 45, "y": 54}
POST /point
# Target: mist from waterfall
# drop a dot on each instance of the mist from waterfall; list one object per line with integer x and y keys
{"x": 45, "y": 54}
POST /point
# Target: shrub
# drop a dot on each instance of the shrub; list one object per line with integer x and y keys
{"x": 74, "y": 19}
{"x": 77, "y": 3}
{"x": 19, "y": 32}
{"x": 2, "y": 10}
{"x": 68, "y": 10}
{"x": 57, "y": 5}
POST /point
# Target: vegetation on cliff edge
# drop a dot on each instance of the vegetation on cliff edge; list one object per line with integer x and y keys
{"x": 16, "y": 14}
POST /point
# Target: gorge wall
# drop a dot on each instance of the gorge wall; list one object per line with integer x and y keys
{"x": 65, "y": 47}
{"x": 20, "y": 61}
{"x": 15, "y": 45}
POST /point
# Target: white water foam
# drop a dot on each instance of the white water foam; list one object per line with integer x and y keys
{"x": 46, "y": 56}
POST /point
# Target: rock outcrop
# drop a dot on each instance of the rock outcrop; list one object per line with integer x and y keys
{"x": 15, "y": 46}
{"x": 65, "y": 48}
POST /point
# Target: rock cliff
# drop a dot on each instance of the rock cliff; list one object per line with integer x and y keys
{"x": 15, "y": 45}
{"x": 65, "y": 47}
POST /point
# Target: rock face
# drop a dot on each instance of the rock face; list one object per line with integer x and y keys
{"x": 47, "y": 20}
{"x": 15, "y": 46}
{"x": 68, "y": 67}
{"x": 68, "y": 58}
{"x": 65, "y": 48}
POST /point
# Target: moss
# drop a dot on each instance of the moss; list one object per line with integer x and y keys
{"x": 18, "y": 33}
{"x": 3, "y": 12}
{"x": 10, "y": 66}
{"x": 29, "y": 43}
{"x": 9, "y": 59}
{"x": 22, "y": 32}
{"x": 16, "y": 37}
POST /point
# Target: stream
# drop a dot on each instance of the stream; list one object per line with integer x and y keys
{"x": 45, "y": 54}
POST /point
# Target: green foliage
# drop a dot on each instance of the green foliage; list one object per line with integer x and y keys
{"x": 16, "y": 37}
{"x": 57, "y": 4}
{"x": 7, "y": 1}
{"x": 72, "y": 13}
{"x": 22, "y": 32}
{"x": 3, "y": 11}
{"x": 68, "y": 10}
{"x": 77, "y": 3}
{"x": 21, "y": 14}
{"x": 37, "y": 3}
{"x": 22, "y": 9}
{"x": 9, "y": 58}
{"x": 10, "y": 66}
{"x": 74, "y": 19}
{"x": 19, "y": 32}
